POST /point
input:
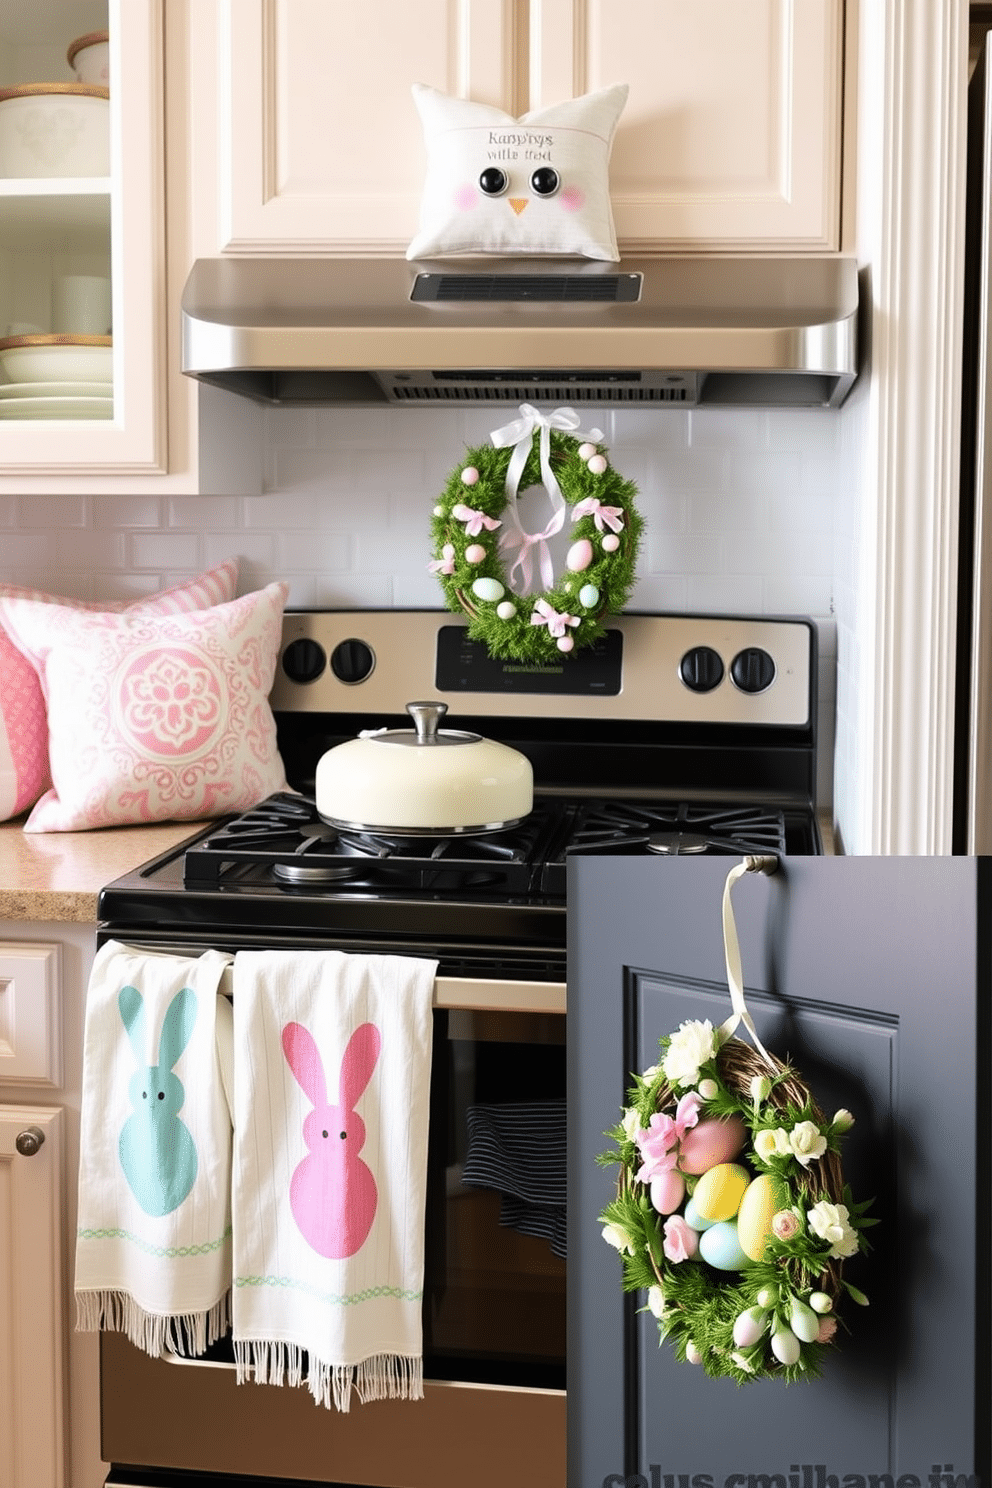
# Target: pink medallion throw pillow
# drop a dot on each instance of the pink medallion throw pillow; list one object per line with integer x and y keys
{"x": 24, "y": 772}
{"x": 154, "y": 717}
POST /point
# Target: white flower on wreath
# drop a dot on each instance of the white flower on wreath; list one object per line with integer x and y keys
{"x": 618, "y": 1238}
{"x": 690, "y": 1047}
{"x": 631, "y": 1122}
{"x": 656, "y": 1301}
{"x": 807, "y": 1142}
{"x": 831, "y": 1222}
{"x": 772, "y": 1142}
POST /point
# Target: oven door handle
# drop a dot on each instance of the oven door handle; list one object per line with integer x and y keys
{"x": 500, "y": 995}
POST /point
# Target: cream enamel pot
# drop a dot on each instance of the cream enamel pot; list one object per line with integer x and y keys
{"x": 423, "y": 780}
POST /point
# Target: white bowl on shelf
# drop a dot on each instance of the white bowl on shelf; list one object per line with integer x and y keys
{"x": 54, "y": 129}
{"x": 89, "y": 57}
{"x": 57, "y": 359}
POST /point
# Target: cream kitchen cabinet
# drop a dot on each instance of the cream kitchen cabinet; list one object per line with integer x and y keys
{"x": 91, "y": 225}
{"x": 730, "y": 138}
{"x": 32, "y": 1332}
{"x": 49, "y": 1406}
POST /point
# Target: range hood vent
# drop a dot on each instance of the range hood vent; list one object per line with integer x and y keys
{"x": 757, "y": 331}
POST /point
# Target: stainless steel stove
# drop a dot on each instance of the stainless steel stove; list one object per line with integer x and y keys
{"x": 675, "y": 735}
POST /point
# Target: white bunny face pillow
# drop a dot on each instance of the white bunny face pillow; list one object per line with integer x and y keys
{"x": 538, "y": 184}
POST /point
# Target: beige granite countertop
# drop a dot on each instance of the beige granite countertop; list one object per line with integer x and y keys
{"x": 58, "y": 875}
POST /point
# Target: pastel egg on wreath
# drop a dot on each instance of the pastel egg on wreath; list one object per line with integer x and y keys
{"x": 715, "y": 1140}
{"x": 719, "y": 1191}
{"x": 589, "y": 596}
{"x": 565, "y": 643}
{"x": 586, "y": 451}
{"x": 439, "y": 511}
{"x": 580, "y": 555}
{"x": 469, "y": 475}
{"x": 598, "y": 465}
{"x": 610, "y": 542}
{"x": 474, "y": 553}
{"x": 721, "y": 1248}
{"x": 694, "y": 1219}
{"x": 667, "y": 1192}
{"x": 488, "y": 589}
{"x": 506, "y": 610}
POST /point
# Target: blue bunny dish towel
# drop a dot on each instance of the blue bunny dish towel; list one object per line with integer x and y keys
{"x": 154, "y": 1236}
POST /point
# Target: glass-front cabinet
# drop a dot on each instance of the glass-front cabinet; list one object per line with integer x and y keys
{"x": 82, "y": 250}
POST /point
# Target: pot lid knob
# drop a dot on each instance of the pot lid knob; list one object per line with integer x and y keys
{"x": 426, "y": 717}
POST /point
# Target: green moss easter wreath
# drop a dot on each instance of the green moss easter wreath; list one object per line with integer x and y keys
{"x": 476, "y": 523}
{"x": 731, "y": 1208}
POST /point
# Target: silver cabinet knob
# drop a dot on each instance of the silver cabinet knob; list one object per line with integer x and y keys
{"x": 29, "y": 1140}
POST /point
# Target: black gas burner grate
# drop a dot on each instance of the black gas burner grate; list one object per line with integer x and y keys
{"x": 284, "y": 842}
{"x": 286, "y": 839}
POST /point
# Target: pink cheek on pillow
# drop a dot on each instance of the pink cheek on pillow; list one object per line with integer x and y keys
{"x": 572, "y": 199}
{"x": 465, "y": 198}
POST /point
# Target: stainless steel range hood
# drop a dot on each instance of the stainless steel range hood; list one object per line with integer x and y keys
{"x": 761, "y": 331}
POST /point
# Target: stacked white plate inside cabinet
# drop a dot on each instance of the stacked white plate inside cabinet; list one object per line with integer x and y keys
{"x": 56, "y": 377}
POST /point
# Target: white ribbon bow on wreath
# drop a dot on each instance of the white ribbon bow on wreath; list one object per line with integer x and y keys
{"x": 520, "y": 433}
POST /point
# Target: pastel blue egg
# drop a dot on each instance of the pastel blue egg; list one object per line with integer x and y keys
{"x": 589, "y": 596}
{"x": 490, "y": 589}
{"x": 720, "y": 1246}
{"x": 695, "y": 1220}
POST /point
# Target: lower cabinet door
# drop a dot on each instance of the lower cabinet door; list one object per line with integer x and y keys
{"x": 32, "y": 1336}
{"x": 871, "y": 977}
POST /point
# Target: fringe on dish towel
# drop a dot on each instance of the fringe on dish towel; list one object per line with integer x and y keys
{"x": 381, "y": 1377}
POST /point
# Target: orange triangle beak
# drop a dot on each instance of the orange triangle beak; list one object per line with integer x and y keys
{"x": 517, "y": 203}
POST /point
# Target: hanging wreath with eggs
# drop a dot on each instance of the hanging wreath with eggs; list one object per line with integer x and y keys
{"x": 731, "y": 1209}
{"x": 477, "y": 525}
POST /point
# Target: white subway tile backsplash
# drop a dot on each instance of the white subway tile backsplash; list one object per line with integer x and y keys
{"x": 740, "y": 509}
{"x": 164, "y": 550}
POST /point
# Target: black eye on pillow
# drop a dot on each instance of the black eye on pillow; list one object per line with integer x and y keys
{"x": 493, "y": 181}
{"x": 545, "y": 181}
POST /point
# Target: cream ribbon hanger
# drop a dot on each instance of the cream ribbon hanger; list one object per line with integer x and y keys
{"x": 756, "y": 863}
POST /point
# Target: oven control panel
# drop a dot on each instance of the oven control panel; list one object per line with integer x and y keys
{"x": 663, "y": 668}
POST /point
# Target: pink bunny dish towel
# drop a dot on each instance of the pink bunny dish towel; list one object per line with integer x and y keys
{"x": 331, "y": 1101}
{"x": 154, "y": 1235}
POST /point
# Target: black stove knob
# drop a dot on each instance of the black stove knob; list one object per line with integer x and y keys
{"x": 304, "y": 660}
{"x": 701, "y": 669}
{"x": 352, "y": 661}
{"x": 752, "y": 670}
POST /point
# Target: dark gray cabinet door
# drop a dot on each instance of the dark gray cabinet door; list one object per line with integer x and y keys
{"x": 872, "y": 975}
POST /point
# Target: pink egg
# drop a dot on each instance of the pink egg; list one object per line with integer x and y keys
{"x": 474, "y": 553}
{"x": 610, "y": 542}
{"x": 469, "y": 475}
{"x": 565, "y": 643}
{"x": 717, "y": 1140}
{"x": 667, "y": 1192}
{"x": 586, "y": 451}
{"x": 598, "y": 464}
{"x": 579, "y": 555}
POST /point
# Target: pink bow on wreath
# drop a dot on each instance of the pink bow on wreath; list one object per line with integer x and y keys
{"x": 474, "y": 520}
{"x": 591, "y": 506}
{"x": 520, "y": 432}
{"x": 545, "y": 614}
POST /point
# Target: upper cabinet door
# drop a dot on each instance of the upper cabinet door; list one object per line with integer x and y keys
{"x": 731, "y": 136}
{"x": 111, "y": 225}
{"x": 321, "y": 145}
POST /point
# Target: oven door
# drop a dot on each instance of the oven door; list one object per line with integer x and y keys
{"x": 494, "y": 1299}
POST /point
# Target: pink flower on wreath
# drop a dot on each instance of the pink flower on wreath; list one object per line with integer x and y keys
{"x": 681, "y": 1242}
{"x": 826, "y": 1330}
{"x": 784, "y": 1224}
{"x": 658, "y": 1142}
